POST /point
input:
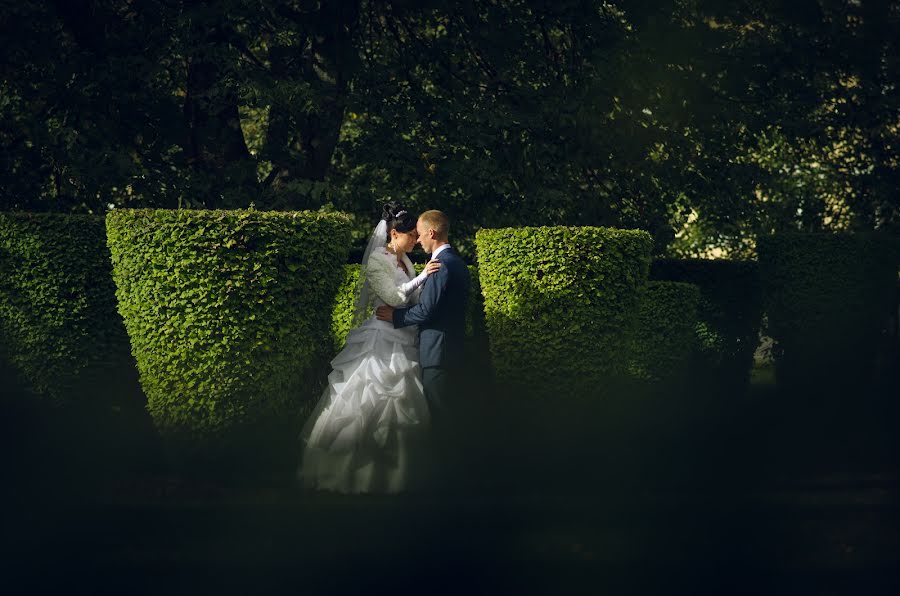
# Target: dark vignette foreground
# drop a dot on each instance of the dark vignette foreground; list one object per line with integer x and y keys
{"x": 648, "y": 492}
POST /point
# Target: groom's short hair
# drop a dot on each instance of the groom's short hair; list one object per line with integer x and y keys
{"x": 437, "y": 221}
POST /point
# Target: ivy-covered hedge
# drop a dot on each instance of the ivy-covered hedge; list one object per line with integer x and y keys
{"x": 58, "y": 322}
{"x": 826, "y": 297}
{"x": 558, "y": 303}
{"x": 345, "y": 304}
{"x": 664, "y": 337}
{"x": 226, "y": 310}
{"x": 728, "y": 314}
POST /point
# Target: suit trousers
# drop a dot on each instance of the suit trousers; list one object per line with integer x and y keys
{"x": 437, "y": 382}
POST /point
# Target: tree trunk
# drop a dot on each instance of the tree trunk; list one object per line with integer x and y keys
{"x": 214, "y": 145}
{"x": 301, "y": 143}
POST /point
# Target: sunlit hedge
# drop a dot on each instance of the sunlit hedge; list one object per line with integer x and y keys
{"x": 558, "y": 302}
{"x": 58, "y": 323}
{"x": 344, "y": 306}
{"x": 226, "y": 310}
{"x": 826, "y": 297}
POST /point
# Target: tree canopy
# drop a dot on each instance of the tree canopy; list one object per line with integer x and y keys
{"x": 704, "y": 122}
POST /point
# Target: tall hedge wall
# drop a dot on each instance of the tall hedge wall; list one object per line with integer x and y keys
{"x": 557, "y": 304}
{"x": 826, "y": 297}
{"x": 226, "y": 310}
{"x": 58, "y": 320}
{"x": 728, "y": 314}
{"x": 664, "y": 338}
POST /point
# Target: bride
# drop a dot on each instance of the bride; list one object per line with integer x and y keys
{"x": 367, "y": 432}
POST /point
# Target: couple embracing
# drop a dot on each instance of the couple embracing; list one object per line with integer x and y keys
{"x": 382, "y": 424}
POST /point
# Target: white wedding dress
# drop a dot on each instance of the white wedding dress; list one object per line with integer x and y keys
{"x": 367, "y": 433}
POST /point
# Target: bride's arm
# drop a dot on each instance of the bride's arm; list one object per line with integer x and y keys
{"x": 380, "y": 274}
{"x": 415, "y": 283}
{"x": 382, "y": 280}
{"x": 411, "y": 287}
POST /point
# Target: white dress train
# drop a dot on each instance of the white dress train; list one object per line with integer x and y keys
{"x": 367, "y": 433}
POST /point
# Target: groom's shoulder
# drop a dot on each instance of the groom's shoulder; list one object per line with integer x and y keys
{"x": 455, "y": 262}
{"x": 452, "y": 255}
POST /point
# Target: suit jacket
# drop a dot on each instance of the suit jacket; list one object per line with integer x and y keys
{"x": 440, "y": 313}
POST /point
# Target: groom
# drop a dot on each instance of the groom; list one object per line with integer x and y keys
{"x": 441, "y": 317}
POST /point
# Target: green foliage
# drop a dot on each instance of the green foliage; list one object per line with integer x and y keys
{"x": 664, "y": 338}
{"x": 97, "y": 118}
{"x": 481, "y": 111}
{"x": 826, "y": 297}
{"x": 345, "y": 306}
{"x": 502, "y": 113}
{"x": 557, "y": 303}
{"x": 58, "y": 321}
{"x": 475, "y": 329}
{"x": 813, "y": 143}
{"x": 226, "y": 310}
{"x": 728, "y": 314}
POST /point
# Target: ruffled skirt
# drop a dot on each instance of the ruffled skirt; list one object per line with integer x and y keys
{"x": 367, "y": 433}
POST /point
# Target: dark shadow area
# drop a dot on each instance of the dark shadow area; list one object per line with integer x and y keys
{"x": 652, "y": 490}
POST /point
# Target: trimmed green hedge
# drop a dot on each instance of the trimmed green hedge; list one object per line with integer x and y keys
{"x": 826, "y": 297}
{"x": 558, "y": 303}
{"x": 226, "y": 310}
{"x": 664, "y": 337}
{"x": 475, "y": 326}
{"x": 729, "y": 314}
{"x": 344, "y": 305}
{"x": 58, "y": 321}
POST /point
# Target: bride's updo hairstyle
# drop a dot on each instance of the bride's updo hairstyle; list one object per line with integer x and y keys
{"x": 397, "y": 218}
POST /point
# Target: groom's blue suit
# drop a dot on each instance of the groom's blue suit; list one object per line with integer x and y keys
{"x": 441, "y": 317}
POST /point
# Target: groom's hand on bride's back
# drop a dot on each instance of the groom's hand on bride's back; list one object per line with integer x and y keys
{"x": 385, "y": 313}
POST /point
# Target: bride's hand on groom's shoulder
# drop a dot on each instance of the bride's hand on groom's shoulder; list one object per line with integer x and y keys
{"x": 432, "y": 266}
{"x": 385, "y": 313}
